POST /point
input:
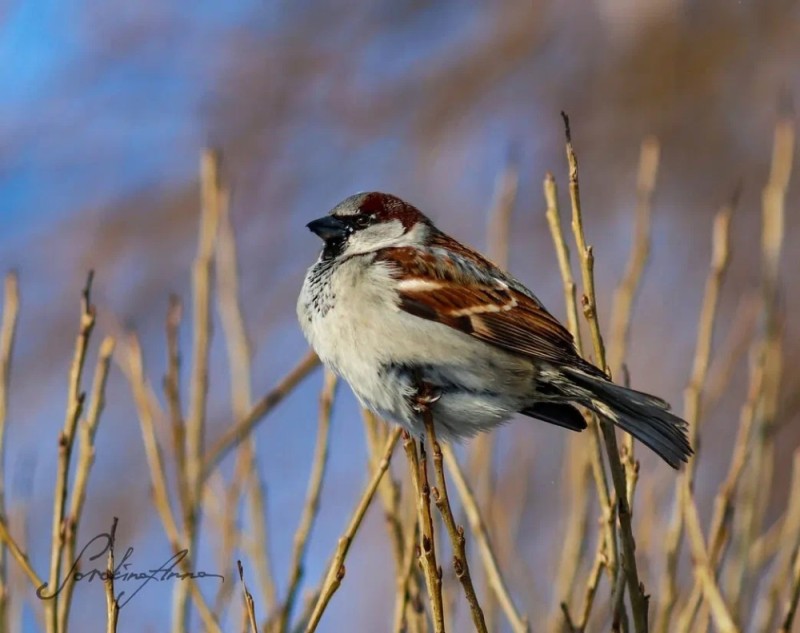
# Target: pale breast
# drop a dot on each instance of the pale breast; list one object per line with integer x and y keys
{"x": 354, "y": 322}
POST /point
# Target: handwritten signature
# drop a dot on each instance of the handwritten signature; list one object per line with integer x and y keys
{"x": 123, "y": 572}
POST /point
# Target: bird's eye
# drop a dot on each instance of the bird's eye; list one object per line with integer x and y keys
{"x": 361, "y": 221}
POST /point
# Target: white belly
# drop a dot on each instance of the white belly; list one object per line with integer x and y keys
{"x": 358, "y": 330}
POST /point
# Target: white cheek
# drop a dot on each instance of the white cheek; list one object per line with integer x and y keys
{"x": 375, "y": 237}
{"x": 385, "y": 235}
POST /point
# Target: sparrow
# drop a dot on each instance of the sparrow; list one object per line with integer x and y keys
{"x": 398, "y": 308}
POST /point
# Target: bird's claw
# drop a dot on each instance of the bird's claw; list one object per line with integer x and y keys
{"x": 426, "y": 395}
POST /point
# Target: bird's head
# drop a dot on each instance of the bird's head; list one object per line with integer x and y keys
{"x": 367, "y": 222}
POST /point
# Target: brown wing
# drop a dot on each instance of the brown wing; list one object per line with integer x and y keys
{"x": 457, "y": 287}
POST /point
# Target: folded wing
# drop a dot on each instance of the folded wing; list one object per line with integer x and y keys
{"x": 457, "y": 287}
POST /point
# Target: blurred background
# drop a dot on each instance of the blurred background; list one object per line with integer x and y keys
{"x": 105, "y": 108}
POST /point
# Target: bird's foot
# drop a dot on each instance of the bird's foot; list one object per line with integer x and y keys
{"x": 426, "y": 395}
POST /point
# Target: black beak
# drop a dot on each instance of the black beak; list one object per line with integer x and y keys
{"x": 328, "y": 227}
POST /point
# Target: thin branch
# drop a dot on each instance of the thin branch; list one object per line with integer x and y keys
{"x": 155, "y": 462}
{"x": 576, "y": 524}
{"x": 75, "y": 401}
{"x": 596, "y": 453}
{"x": 693, "y": 401}
{"x": 600, "y": 561}
{"x": 427, "y": 555}
{"x": 787, "y": 544}
{"x": 456, "y": 532}
{"x": 221, "y": 507}
{"x": 336, "y": 569}
{"x": 628, "y": 559}
{"x": 703, "y": 569}
{"x": 628, "y": 289}
{"x": 794, "y": 596}
{"x": 97, "y": 401}
{"x": 8, "y": 328}
{"x": 478, "y": 527}
{"x": 201, "y": 334}
{"x": 258, "y": 547}
{"x": 198, "y": 385}
{"x": 20, "y": 556}
{"x": 239, "y": 431}
{"x": 112, "y": 604}
{"x": 585, "y": 253}
{"x": 625, "y": 296}
{"x": 173, "y": 396}
{"x": 733, "y": 348}
{"x": 389, "y": 492}
{"x": 595, "y": 456}
{"x": 403, "y": 580}
{"x": 311, "y": 505}
{"x": 499, "y": 224}
{"x": 247, "y": 472}
{"x": 249, "y": 605}
{"x": 87, "y": 432}
{"x": 553, "y": 216}
{"x": 723, "y": 502}
{"x": 498, "y": 230}
{"x": 752, "y": 505}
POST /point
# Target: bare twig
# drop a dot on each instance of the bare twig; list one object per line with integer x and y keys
{"x": 786, "y": 545}
{"x": 498, "y": 226}
{"x": 577, "y": 474}
{"x": 311, "y": 505}
{"x": 8, "y": 328}
{"x": 627, "y": 291}
{"x": 89, "y": 427}
{"x": 752, "y": 504}
{"x": 336, "y": 570}
{"x": 591, "y": 586}
{"x": 692, "y": 408}
{"x": 409, "y": 584}
{"x": 577, "y": 520}
{"x": 628, "y": 560}
{"x": 198, "y": 385}
{"x": 596, "y": 450}
{"x": 404, "y": 578}
{"x": 230, "y": 309}
{"x": 240, "y": 430}
{"x": 155, "y": 462}
{"x": 112, "y": 604}
{"x": 232, "y": 534}
{"x": 794, "y": 596}
{"x": 733, "y": 348}
{"x": 87, "y": 432}
{"x": 478, "y": 527}
{"x": 585, "y": 253}
{"x": 249, "y": 605}
{"x": 758, "y": 413}
{"x": 562, "y": 253}
{"x": 456, "y": 532}
{"x": 75, "y": 401}
{"x": 703, "y": 569}
{"x": 247, "y": 470}
{"x": 201, "y": 334}
{"x": 498, "y": 230}
{"x": 173, "y": 397}
{"x": 628, "y": 288}
{"x": 20, "y": 556}
{"x": 427, "y": 555}
{"x": 723, "y": 503}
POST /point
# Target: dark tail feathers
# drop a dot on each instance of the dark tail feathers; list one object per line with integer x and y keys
{"x": 645, "y": 417}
